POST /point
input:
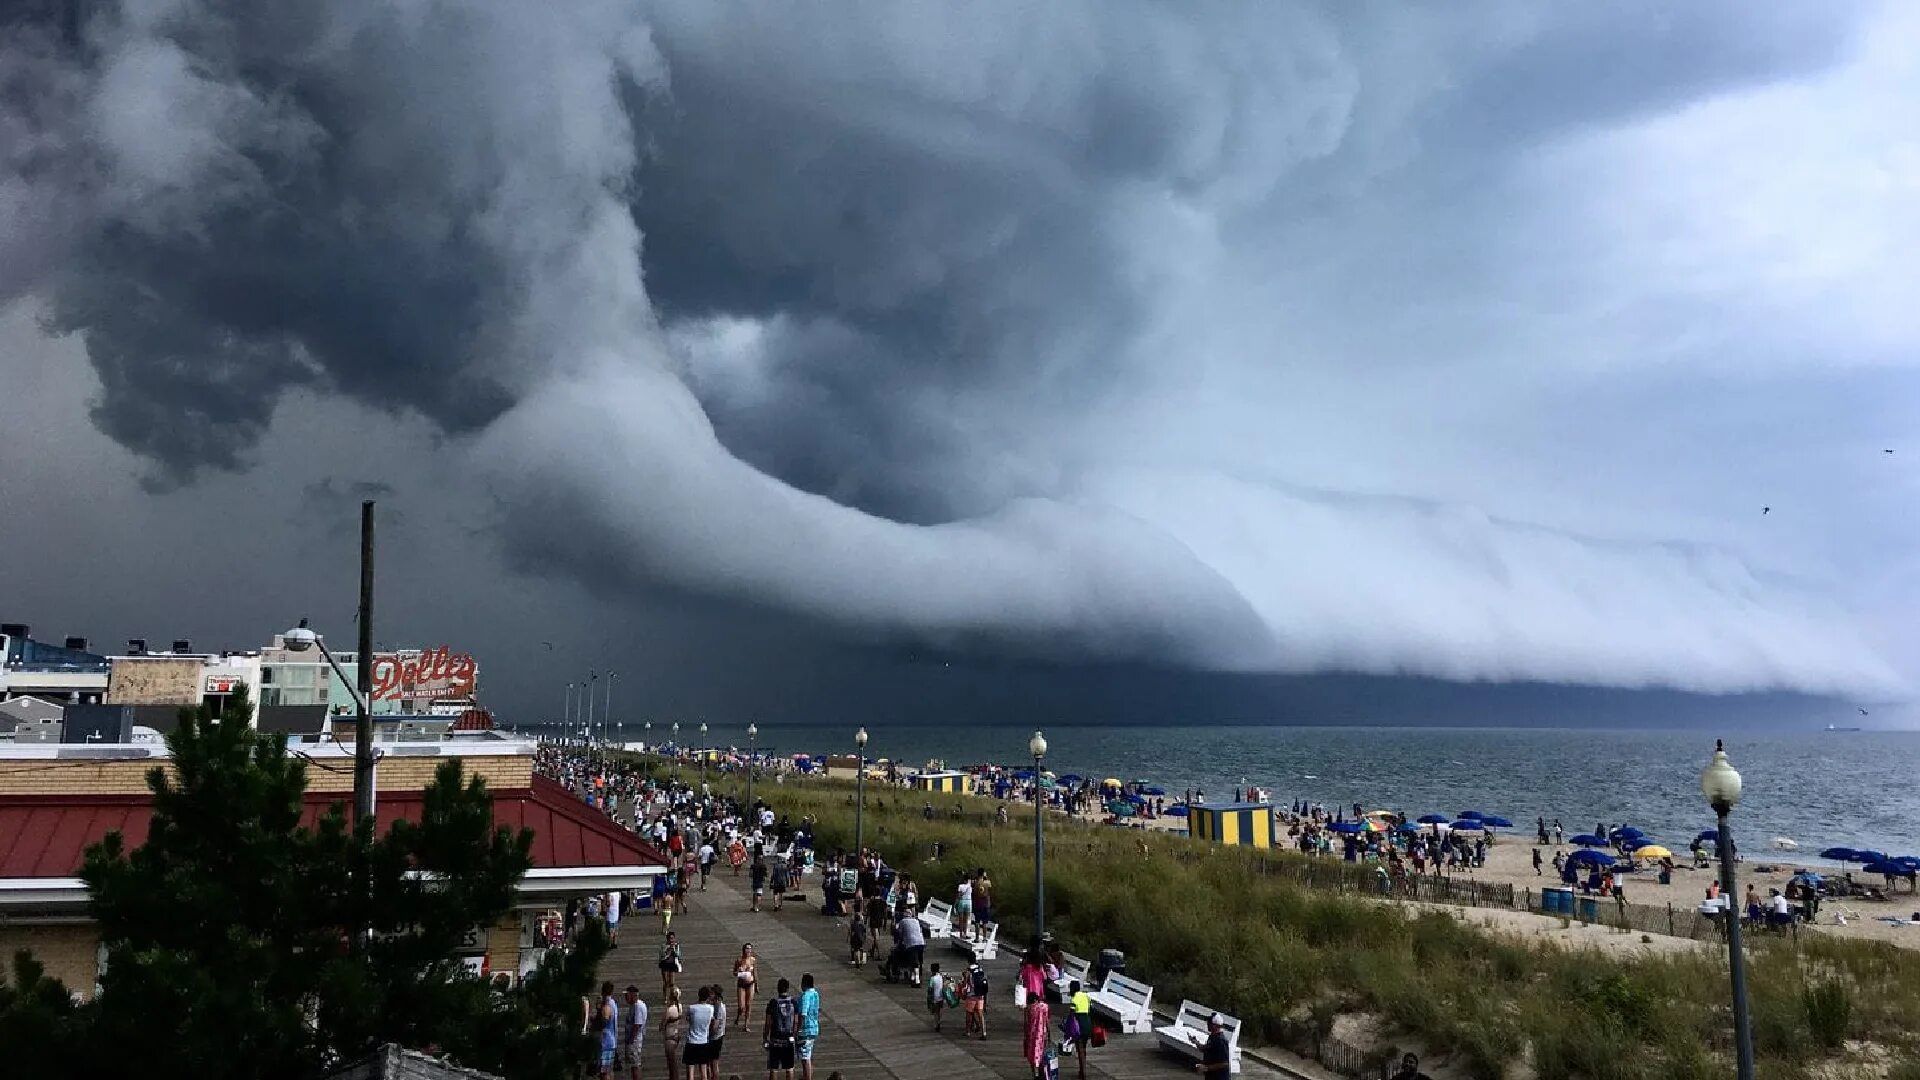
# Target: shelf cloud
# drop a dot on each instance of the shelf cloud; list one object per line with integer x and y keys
{"x": 1235, "y": 338}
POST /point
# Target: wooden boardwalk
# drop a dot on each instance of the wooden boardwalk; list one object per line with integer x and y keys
{"x": 869, "y": 1029}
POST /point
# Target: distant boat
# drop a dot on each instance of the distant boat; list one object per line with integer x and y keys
{"x": 1836, "y": 727}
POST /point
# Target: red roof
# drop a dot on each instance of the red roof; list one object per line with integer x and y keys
{"x": 46, "y": 836}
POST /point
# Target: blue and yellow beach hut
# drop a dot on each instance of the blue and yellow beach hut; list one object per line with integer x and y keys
{"x": 1243, "y": 824}
{"x": 949, "y": 782}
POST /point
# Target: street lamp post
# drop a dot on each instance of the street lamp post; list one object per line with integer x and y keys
{"x": 607, "y": 712}
{"x": 753, "y": 740}
{"x": 1720, "y": 783}
{"x": 299, "y": 640}
{"x": 566, "y": 708}
{"x": 703, "y": 753}
{"x": 1037, "y": 746}
{"x": 592, "y": 678}
{"x": 676, "y": 750}
{"x": 860, "y": 805}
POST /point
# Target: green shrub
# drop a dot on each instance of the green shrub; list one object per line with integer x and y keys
{"x": 1829, "y": 1007}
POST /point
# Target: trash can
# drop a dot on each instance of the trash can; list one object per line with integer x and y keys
{"x": 1556, "y": 901}
{"x": 1111, "y": 960}
{"x": 1589, "y": 909}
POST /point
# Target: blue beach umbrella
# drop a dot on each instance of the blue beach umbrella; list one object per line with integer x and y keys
{"x": 1711, "y": 836}
{"x": 1883, "y": 867}
{"x": 1638, "y": 842}
{"x": 1153, "y": 790}
{"x": 1588, "y": 856}
{"x": 1465, "y": 824}
{"x": 1843, "y": 854}
{"x": 1496, "y": 823}
{"x": 1434, "y": 819}
{"x": 1177, "y": 810}
{"x": 1409, "y": 828}
{"x": 1627, "y": 832}
{"x": 1346, "y": 827}
{"x": 1071, "y": 778}
{"x": 1471, "y": 815}
{"x": 1589, "y": 840}
{"x": 1865, "y": 856}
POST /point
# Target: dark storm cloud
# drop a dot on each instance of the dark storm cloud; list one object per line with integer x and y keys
{"x": 1047, "y": 334}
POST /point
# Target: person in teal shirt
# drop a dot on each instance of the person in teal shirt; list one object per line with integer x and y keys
{"x": 809, "y": 1025}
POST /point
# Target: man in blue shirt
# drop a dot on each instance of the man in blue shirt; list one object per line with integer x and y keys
{"x": 809, "y": 1025}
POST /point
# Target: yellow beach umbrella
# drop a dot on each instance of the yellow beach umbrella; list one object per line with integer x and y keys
{"x": 1652, "y": 851}
{"x": 1110, "y": 782}
{"x": 1380, "y": 813}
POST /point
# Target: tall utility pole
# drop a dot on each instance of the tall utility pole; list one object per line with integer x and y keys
{"x": 363, "y": 717}
{"x": 592, "y": 678}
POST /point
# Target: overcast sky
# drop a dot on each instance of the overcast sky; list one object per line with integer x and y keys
{"x": 767, "y": 354}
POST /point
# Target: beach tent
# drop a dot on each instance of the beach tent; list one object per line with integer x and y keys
{"x": 1240, "y": 824}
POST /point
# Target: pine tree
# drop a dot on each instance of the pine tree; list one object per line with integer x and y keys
{"x": 233, "y": 934}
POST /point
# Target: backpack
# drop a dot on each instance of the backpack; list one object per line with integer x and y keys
{"x": 784, "y": 1018}
{"x": 977, "y": 978}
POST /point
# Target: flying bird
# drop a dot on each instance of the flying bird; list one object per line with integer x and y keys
{"x": 1886, "y": 451}
{"x": 548, "y": 644}
{"x": 1863, "y": 712}
{"x": 1766, "y": 510}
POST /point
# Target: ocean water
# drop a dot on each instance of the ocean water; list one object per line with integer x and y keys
{"x": 1820, "y": 789}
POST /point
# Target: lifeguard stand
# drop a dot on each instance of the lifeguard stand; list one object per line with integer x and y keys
{"x": 951, "y": 783}
{"x": 1239, "y": 824}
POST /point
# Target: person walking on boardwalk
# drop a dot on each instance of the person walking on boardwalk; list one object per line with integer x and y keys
{"x": 606, "y": 1023}
{"x": 759, "y": 881}
{"x": 673, "y": 1033}
{"x": 745, "y": 971}
{"x": 634, "y": 1038}
{"x": 717, "y": 1033}
{"x": 699, "y": 1033}
{"x": 1216, "y": 1058}
{"x": 1033, "y": 985}
{"x": 809, "y": 1007}
{"x": 669, "y": 963}
{"x": 781, "y": 1031}
{"x": 973, "y": 995}
{"x": 936, "y": 995}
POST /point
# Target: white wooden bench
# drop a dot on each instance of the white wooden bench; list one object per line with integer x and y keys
{"x": 1187, "y": 1035}
{"x": 984, "y": 947}
{"x": 938, "y": 915}
{"x": 1128, "y": 1001}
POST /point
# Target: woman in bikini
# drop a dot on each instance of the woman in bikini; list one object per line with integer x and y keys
{"x": 743, "y": 979}
{"x": 673, "y": 1032}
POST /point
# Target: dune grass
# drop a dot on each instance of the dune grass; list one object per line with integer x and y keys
{"x": 1239, "y": 930}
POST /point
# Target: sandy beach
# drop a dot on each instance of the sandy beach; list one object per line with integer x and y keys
{"x": 1510, "y": 861}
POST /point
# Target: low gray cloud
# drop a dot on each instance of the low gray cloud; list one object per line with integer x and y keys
{"x": 1238, "y": 337}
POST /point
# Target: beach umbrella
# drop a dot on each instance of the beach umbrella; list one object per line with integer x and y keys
{"x": 1373, "y": 825}
{"x": 1379, "y": 813}
{"x": 1110, "y": 782}
{"x": 1865, "y": 856}
{"x": 1496, "y": 823}
{"x": 1471, "y": 815}
{"x": 1627, "y": 832}
{"x": 1468, "y": 823}
{"x": 1842, "y": 854}
{"x": 1589, "y": 840}
{"x": 1881, "y": 866}
{"x": 1409, "y": 828}
{"x": 1152, "y": 790}
{"x": 1120, "y": 808}
{"x": 1591, "y": 857}
{"x": 1071, "y": 778}
{"x": 1652, "y": 851}
{"x": 1346, "y": 827}
{"x": 1177, "y": 810}
{"x": 1434, "y": 819}
{"x": 1711, "y": 836}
